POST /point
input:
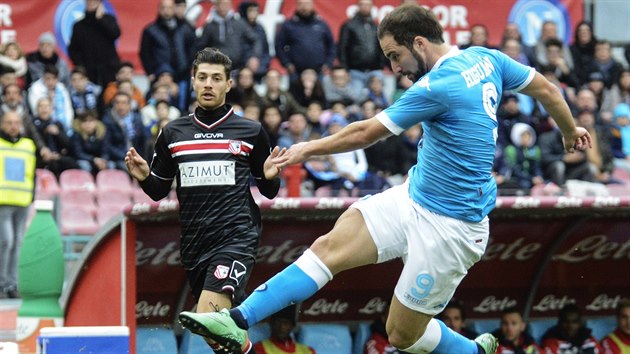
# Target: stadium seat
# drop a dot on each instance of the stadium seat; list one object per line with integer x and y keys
{"x": 484, "y": 326}
{"x": 77, "y": 221}
{"x": 115, "y": 180}
{"x": 46, "y": 184}
{"x": 259, "y": 332}
{"x": 139, "y": 196}
{"x": 326, "y": 338}
{"x": 115, "y": 198}
{"x": 193, "y": 344}
{"x": 621, "y": 174}
{"x": 618, "y": 190}
{"x": 601, "y": 326}
{"x": 74, "y": 179}
{"x": 82, "y": 199}
{"x": 106, "y": 212}
{"x": 360, "y": 337}
{"x": 538, "y": 327}
{"x": 155, "y": 341}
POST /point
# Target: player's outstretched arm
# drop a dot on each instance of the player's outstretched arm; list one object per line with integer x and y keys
{"x": 356, "y": 135}
{"x": 137, "y": 166}
{"x": 549, "y": 96}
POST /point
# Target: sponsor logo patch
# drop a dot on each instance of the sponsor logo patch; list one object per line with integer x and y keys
{"x": 207, "y": 173}
{"x": 221, "y": 272}
{"x": 238, "y": 270}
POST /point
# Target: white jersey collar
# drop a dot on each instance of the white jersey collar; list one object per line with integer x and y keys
{"x": 451, "y": 53}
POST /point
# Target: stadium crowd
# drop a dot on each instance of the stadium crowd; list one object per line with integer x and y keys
{"x": 86, "y": 117}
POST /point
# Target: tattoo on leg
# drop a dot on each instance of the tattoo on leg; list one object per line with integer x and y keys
{"x": 215, "y": 307}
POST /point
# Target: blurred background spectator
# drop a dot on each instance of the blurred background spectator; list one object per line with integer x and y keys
{"x": 570, "y": 334}
{"x": 46, "y": 55}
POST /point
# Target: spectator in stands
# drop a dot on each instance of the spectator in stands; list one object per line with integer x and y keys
{"x": 271, "y": 120}
{"x": 585, "y": 100}
{"x": 17, "y": 182}
{"x": 351, "y": 166}
{"x": 164, "y": 76}
{"x": 243, "y": 91}
{"x": 522, "y": 160}
{"x": 89, "y": 144}
{"x": 377, "y": 343}
{"x": 314, "y": 113}
{"x": 358, "y": 48}
{"x": 549, "y": 31}
{"x": 508, "y": 115}
{"x": 280, "y": 98}
{"x": 54, "y": 135}
{"x": 512, "y": 31}
{"x": 124, "y": 130}
{"x": 568, "y": 94}
{"x": 85, "y": 95}
{"x": 558, "y": 165}
{"x": 339, "y": 87}
{"x": 305, "y": 41}
{"x": 155, "y": 132}
{"x": 478, "y": 37}
{"x": 600, "y": 155}
{"x": 7, "y": 77}
{"x": 11, "y": 56}
{"x": 583, "y": 49}
{"x": 618, "y": 341}
{"x": 513, "y": 338}
{"x": 570, "y": 334}
{"x": 281, "y": 339}
{"x": 50, "y": 86}
{"x": 231, "y": 35}
{"x": 386, "y": 159}
{"x": 513, "y": 49}
{"x": 375, "y": 91}
{"x": 93, "y": 43}
{"x": 454, "y": 317}
{"x": 46, "y": 55}
{"x": 605, "y": 64}
{"x": 249, "y": 11}
{"x": 296, "y": 131}
{"x": 618, "y": 93}
{"x": 620, "y": 141}
{"x": 124, "y": 73}
{"x": 149, "y": 111}
{"x": 169, "y": 41}
{"x": 13, "y": 101}
{"x": 554, "y": 58}
{"x": 596, "y": 84}
{"x": 308, "y": 88}
{"x": 161, "y": 111}
{"x": 251, "y": 110}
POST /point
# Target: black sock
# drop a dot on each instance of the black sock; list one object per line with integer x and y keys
{"x": 238, "y": 318}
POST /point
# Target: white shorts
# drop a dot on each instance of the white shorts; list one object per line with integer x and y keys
{"x": 437, "y": 250}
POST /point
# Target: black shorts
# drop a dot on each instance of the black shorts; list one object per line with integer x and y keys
{"x": 223, "y": 273}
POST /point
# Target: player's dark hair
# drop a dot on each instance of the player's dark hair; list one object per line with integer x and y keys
{"x": 408, "y": 21}
{"x": 212, "y": 56}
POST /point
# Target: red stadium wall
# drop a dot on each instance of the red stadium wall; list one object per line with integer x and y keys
{"x": 544, "y": 252}
{"x": 25, "y": 20}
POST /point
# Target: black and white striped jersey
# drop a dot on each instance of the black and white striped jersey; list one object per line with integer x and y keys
{"x": 212, "y": 155}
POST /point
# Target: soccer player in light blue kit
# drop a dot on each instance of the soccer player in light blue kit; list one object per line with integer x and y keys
{"x": 437, "y": 221}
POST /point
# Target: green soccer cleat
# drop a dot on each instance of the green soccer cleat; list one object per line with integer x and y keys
{"x": 488, "y": 343}
{"x": 217, "y": 326}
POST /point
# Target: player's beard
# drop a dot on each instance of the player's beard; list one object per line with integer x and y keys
{"x": 422, "y": 67}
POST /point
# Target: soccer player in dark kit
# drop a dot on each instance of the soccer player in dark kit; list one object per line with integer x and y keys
{"x": 212, "y": 153}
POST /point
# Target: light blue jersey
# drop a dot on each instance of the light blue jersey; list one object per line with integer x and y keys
{"x": 456, "y": 102}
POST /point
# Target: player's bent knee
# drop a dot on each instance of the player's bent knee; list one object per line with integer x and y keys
{"x": 401, "y": 340}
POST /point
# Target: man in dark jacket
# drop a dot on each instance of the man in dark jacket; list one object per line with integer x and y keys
{"x": 92, "y": 45}
{"x": 305, "y": 41}
{"x": 169, "y": 41}
{"x": 260, "y": 65}
{"x": 231, "y": 35}
{"x": 124, "y": 129}
{"x": 358, "y": 49}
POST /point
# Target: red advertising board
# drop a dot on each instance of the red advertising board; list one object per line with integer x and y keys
{"x": 25, "y": 20}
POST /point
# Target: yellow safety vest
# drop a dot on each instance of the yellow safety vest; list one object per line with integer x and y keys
{"x": 625, "y": 349}
{"x": 17, "y": 172}
{"x": 271, "y": 348}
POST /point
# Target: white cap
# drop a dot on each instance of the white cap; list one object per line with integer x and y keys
{"x": 45, "y": 205}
